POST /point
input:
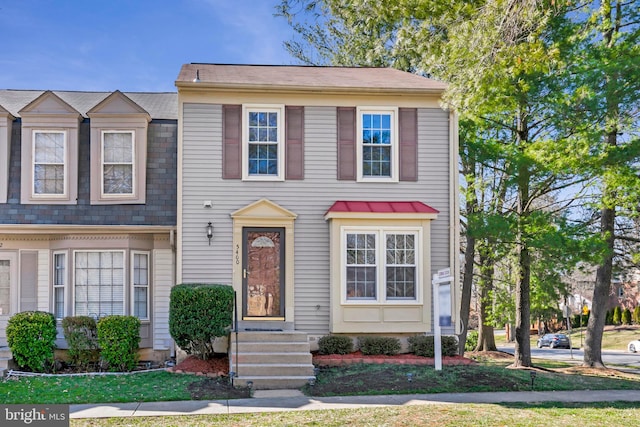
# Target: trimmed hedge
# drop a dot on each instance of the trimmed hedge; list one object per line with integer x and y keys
{"x": 81, "y": 333}
{"x": 31, "y": 336}
{"x": 118, "y": 338}
{"x": 423, "y": 345}
{"x": 379, "y": 345}
{"x": 335, "y": 344}
{"x": 198, "y": 313}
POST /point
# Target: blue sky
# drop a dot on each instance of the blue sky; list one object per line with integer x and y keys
{"x": 131, "y": 45}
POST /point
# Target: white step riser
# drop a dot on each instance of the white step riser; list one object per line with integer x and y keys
{"x": 295, "y": 358}
{"x": 271, "y": 336}
{"x": 272, "y": 370}
{"x": 269, "y": 347}
{"x": 267, "y": 383}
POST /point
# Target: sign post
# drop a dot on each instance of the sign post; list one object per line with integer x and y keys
{"x": 441, "y": 296}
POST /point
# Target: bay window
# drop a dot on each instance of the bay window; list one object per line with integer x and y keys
{"x": 380, "y": 265}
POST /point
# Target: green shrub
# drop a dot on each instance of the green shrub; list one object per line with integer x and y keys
{"x": 335, "y": 344}
{"x": 636, "y": 315}
{"x": 31, "y": 336}
{"x": 626, "y": 317}
{"x": 609, "y": 318}
{"x": 423, "y": 345}
{"x": 198, "y": 313}
{"x": 617, "y": 315}
{"x": 81, "y": 333}
{"x": 472, "y": 341}
{"x": 379, "y": 345}
{"x": 118, "y": 338}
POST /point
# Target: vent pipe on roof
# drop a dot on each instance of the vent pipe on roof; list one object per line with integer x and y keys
{"x": 197, "y": 79}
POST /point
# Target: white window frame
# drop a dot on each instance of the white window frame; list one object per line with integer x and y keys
{"x": 124, "y": 277}
{"x": 63, "y": 285}
{"x": 135, "y": 286}
{"x": 132, "y": 164}
{"x": 65, "y": 164}
{"x": 263, "y": 108}
{"x": 381, "y": 291}
{"x": 395, "y": 156}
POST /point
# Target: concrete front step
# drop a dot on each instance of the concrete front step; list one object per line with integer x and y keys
{"x": 6, "y": 360}
{"x": 271, "y": 359}
{"x": 275, "y": 369}
{"x": 261, "y": 336}
{"x": 272, "y": 382}
{"x": 294, "y": 357}
{"x": 269, "y": 347}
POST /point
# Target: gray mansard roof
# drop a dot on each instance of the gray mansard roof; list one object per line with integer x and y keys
{"x": 162, "y": 105}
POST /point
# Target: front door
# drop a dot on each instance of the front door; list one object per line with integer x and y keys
{"x": 8, "y": 291}
{"x": 263, "y": 273}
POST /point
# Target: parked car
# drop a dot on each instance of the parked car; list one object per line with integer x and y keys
{"x": 634, "y": 346}
{"x": 555, "y": 341}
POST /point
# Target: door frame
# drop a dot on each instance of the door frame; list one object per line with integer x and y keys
{"x": 246, "y": 274}
{"x": 264, "y": 213}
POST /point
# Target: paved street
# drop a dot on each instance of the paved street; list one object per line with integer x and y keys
{"x": 611, "y": 358}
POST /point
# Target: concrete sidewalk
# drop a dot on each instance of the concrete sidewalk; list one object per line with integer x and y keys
{"x": 294, "y": 400}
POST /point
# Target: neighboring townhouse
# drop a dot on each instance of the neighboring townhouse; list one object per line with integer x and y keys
{"x": 88, "y": 207}
{"x": 326, "y": 196}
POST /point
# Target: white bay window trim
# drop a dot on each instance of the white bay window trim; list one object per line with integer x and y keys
{"x": 380, "y": 236}
{"x": 140, "y": 276}
{"x": 60, "y": 277}
{"x": 97, "y": 294}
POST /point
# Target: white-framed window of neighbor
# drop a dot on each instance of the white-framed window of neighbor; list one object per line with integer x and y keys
{"x": 50, "y": 164}
{"x": 140, "y": 284}
{"x": 118, "y": 162}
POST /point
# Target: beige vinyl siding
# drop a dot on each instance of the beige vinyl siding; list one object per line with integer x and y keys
{"x": 434, "y": 176}
{"x": 161, "y": 290}
{"x": 44, "y": 282}
{"x": 309, "y": 199}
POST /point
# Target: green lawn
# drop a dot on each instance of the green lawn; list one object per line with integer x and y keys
{"x": 516, "y": 415}
{"x": 143, "y": 387}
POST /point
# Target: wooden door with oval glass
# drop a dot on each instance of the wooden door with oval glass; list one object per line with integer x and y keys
{"x": 263, "y": 273}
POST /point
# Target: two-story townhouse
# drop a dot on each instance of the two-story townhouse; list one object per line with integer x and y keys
{"x": 88, "y": 207}
{"x": 326, "y": 196}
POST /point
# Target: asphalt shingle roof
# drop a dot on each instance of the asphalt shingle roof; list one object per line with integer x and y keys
{"x": 307, "y": 77}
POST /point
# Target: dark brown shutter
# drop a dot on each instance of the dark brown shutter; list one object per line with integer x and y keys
{"x": 408, "y": 135}
{"x": 294, "y": 142}
{"x": 347, "y": 143}
{"x": 232, "y": 141}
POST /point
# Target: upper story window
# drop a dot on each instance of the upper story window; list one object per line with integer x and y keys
{"x": 263, "y": 135}
{"x": 377, "y": 144}
{"x": 118, "y": 166}
{"x": 49, "y": 163}
{"x": 49, "y": 151}
{"x": 119, "y": 130}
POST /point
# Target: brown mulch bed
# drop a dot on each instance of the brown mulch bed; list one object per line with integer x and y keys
{"x": 396, "y": 359}
{"x": 216, "y": 367}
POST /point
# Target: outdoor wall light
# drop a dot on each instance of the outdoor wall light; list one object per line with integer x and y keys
{"x": 209, "y": 232}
